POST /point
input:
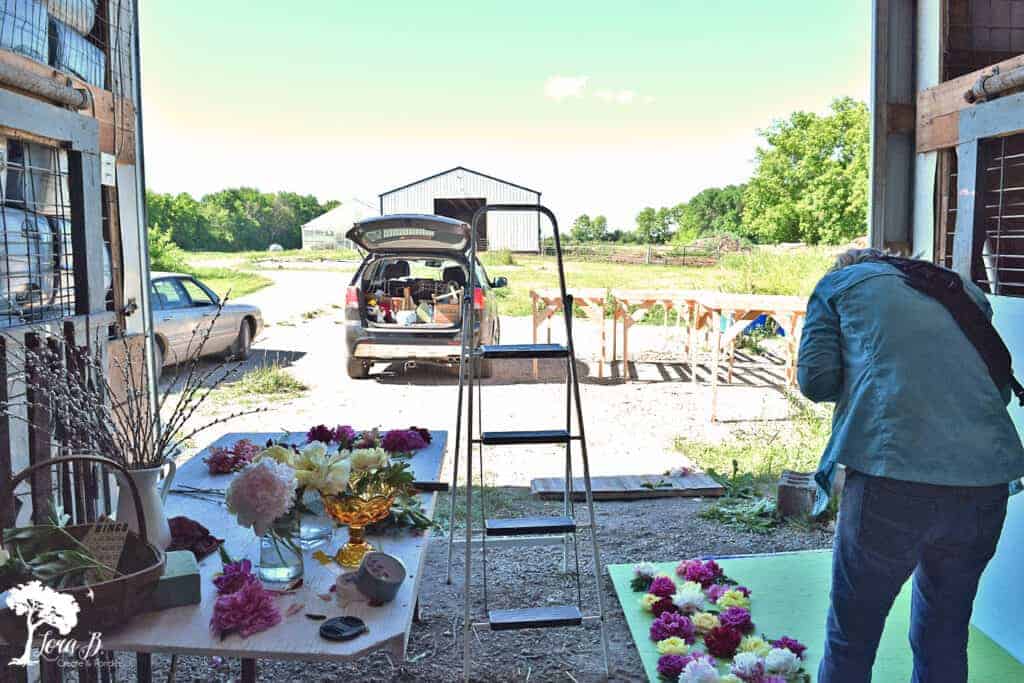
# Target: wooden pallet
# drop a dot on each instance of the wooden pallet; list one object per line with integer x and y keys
{"x": 631, "y": 487}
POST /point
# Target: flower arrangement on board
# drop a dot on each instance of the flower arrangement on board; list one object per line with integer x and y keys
{"x": 704, "y": 631}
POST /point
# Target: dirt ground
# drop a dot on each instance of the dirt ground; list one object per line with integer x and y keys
{"x": 630, "y": 429}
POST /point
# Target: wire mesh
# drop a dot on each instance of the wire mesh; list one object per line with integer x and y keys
{"x": 980, "y": 33}
{"x": 999, "y": 224}
{"x": 36, "y": 256}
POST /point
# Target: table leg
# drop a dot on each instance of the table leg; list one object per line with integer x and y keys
{"x": 716, "y": 349}
{"x": 536, "y": 369}
{"x": 600, "y": 363}
{"x": 144, "y": 667}
{"x": 615, "y": 335}
{"x": 626, "y": 323}
{"x": 248, "y": 671}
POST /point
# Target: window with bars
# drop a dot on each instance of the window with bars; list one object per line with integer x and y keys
{"x": 980, "y": 33}
{"x": 37, "y": 279}
{"x": 998, "y": 259}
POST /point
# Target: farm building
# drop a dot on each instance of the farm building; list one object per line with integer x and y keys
{"x": 459, "y": 192}
{"x": 327, "y": 231}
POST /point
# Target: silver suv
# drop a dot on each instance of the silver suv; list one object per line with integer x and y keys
{"x": 404, "y": 302}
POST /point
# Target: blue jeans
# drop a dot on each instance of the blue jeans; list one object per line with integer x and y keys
{"x": 887, "y": 531}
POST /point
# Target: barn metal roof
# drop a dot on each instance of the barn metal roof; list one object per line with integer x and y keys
{"x": 459, "y": 168}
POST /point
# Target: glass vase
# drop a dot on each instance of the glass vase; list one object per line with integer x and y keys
{"x": 280, "y": 564}
{"x": 315, "y": 526}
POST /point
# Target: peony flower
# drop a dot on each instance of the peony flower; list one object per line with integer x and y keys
{"x": 671, "y": 624}
{"x": 756, "y": 644}
{"x": 791, "y": 644}
{"x": 369, "y": 439}
{"x": 689, "y": 598}
{"x": 715, "y": 591}
{"x": 424, "y": 433}
{"x": 278, "y": 454}
{"x": 645, "y": 569}
{"x": 663, "y": 605}
{"x": 311, "y": 455}
{"x": 737, "y": 618}
{"x": 188, "y": 534}
{"x": 723, "y": 641}
{"x": 344, "y": 436}
{"x": 236, "y": 576}
{"x": 705, "y": 621}
{"x": 227, "y": 460}
{"x": 781, "y": 661}
{"x": 748, "y": 667}
{"x": 403, "y": 441}
{"x": 647, "y": 601}
{"x": 321, "y": 433}
{"x": 673, "y": 646}
{"x": 670, "y": 666}
{"x": 734, "y": 598}
{"x": 699, "y": 671}
{"x": 249, "y": 610}
{"x": 330, "y": 476}
{"x": 368, "y": 459}
{"x": 704, "y": 573}
{"x": 261, "y": 493}
{"x": 663, "y": 587}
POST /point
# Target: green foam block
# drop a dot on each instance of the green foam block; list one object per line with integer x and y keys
{"x": 180, "y": 584}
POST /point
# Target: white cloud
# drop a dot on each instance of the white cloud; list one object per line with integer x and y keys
{"x": 561, "y": 87}
{"x": 616, "y": 96}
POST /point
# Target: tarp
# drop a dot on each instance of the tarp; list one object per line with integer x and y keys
{"x": 78, "y": 14}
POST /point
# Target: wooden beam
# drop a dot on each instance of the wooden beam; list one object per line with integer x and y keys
{"x": 900, "y": 118}
{"x": 938, "y": 108}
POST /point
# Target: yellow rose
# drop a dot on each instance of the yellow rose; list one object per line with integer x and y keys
{"x": 278, "y": 454}
{"x": 368, "y": 458}
{"x": 647, "y": 601}
{"x": 704, "y": 622}
{"x": 733, "y": 598}
{"x": 673, "y": 646}
{"x": 756, "y": 645}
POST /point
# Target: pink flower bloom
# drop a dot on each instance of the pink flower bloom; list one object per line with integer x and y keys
{"x": 704, "y": 573}
{"x": 715, "y": 591}
{"x": 663, "y": 587}
{"x": 791, "y": 644}
{"x": 261, "y": 493}
{"x": 236, "y": 576}
{"x": 321, "y": 433}
{"x": 663, "y": 605}
{"x": 226, "y": 460}
{"x": 737, "y": 618}
{"x": 344, "y": 436}
{"x": 249, "y": 610}
{"x": 403, "y": 441}
{"x": 670, "y": 666}
{"x": 722, "y": 641}
{"x": 670, "y": 624}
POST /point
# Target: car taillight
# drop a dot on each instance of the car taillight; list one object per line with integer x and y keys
{"x": 352, "y": 297}
{"x": 478, "y": 299}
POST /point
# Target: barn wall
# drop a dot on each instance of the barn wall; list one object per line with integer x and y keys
{"x": 513, "y": 231}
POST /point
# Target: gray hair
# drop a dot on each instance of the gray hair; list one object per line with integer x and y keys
{"x": 852, "y": 257}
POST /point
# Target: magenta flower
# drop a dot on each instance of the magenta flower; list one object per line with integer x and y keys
{"x": 704, "y": 573}
{"x": 722, "y": 641}
{"x": 715, "y": 591}
{"x": 663, "y": 605}
{"x": 670, "y": 666}
{"x": 737, "y": 618}
{"x": 791, "y": 644}
{"x": 700, "y": 657}
{"x": 425, "y": 433}
{"x": 249, "y": 610}
{"x": 403, "y": 441}
{"x": 321, "y": 433}
{"x": 670, "y": 624}
{"x": 236, "y": 576}
{"x": 226, "y": 460}
{"x": 663, "y": 587}
{"x": 344, "y": 436}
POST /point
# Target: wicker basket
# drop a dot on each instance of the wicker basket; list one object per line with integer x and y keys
{"x": 113, "y": 602}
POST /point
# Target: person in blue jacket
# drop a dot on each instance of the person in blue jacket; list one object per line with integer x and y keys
{"x": 928, "y": 446}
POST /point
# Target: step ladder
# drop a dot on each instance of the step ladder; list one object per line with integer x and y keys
{"x": 564, "y": 528}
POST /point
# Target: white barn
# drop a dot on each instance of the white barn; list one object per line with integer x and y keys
{"x": 327, "y": 231}
{"x": 459, "y": 192}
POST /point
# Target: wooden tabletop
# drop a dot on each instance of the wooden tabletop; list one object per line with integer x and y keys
{"x": 576, "y": 292}
{"x": 187, "y": 629}
{"x": 752, "y": 302}
{"x": 639, "y": 295}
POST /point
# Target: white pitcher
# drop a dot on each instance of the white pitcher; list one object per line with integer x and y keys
{"x": 152, "y": 493}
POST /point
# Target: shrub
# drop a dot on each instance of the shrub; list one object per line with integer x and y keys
{"x": 502, "y": 257}
{"x": 164, "y": 254}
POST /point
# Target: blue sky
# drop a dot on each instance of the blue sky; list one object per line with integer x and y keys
{"x": 604, "y": 107}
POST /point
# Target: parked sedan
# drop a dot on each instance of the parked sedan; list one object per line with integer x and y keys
{"x": 183, "y": 308}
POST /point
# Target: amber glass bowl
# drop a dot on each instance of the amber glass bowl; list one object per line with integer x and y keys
{"x": 357, "y": 512}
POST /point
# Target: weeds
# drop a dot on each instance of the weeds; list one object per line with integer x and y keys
{"x": 262, "y": 383}
{"x": 498, "y": 501}
{"x": 501, "y": 257}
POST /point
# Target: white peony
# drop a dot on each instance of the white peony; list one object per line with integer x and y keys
{"x": 699, "y": 671}
{"x": 368, "y": 458}
{"x": 261, "y": 493}
{"x": 689, "y": 598}
{"x": 781, "y": 661}
{"x": 645, "y": 569}
{"x": 748, "y": 666}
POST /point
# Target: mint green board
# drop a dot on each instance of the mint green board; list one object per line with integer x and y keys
{"x": 790, "y": 597}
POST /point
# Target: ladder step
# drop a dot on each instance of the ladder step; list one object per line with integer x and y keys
{"x": 529, "y": 526}
{"x": 535, "y": 617}
{"x": 510, "y": 351}
{"x": 527, "y": 437}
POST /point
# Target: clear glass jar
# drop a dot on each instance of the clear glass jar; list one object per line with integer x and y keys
{"x": 280, "y": 562}
{"x": 315, "y": 527}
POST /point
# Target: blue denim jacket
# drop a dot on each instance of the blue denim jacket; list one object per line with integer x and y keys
{"x": 914, "y": 399}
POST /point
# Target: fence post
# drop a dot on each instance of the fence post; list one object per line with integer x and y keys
{"x": 647, "y": 256}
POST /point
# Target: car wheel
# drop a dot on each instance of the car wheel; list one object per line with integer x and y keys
{"x": 358, "y": 369}
{"x": 242, "y": 347}
{"x": 158, "y": 358}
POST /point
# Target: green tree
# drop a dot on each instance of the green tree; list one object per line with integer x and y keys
{"x": 810, "y": 183}
{"x": 715, "y": 210}
{"x": 587, "y": 229}
{"x": 654, "y": 226}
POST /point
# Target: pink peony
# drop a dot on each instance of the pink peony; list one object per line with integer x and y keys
{"x": 321, "y": 433}
{"x": 722, "y": 641}
{"x": 670, "y": 624}
{"x": 704, "y": 573}
{"x": 249, "y": 610}
{"x": 663, "y": 605}
{"x": 663, "y": 587}
{"x": 344, "y": 436}
{"x": 737, "y": 618}
{"x": 403, "y": 441}
{"x": 791, "y": 644}
{"x": 236, "y": 576}
{"x": 261, "y": 493}
{"x": 226, "y": 460}
{"x": 715, "y": 591}
{"x": 670, "y": 666}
